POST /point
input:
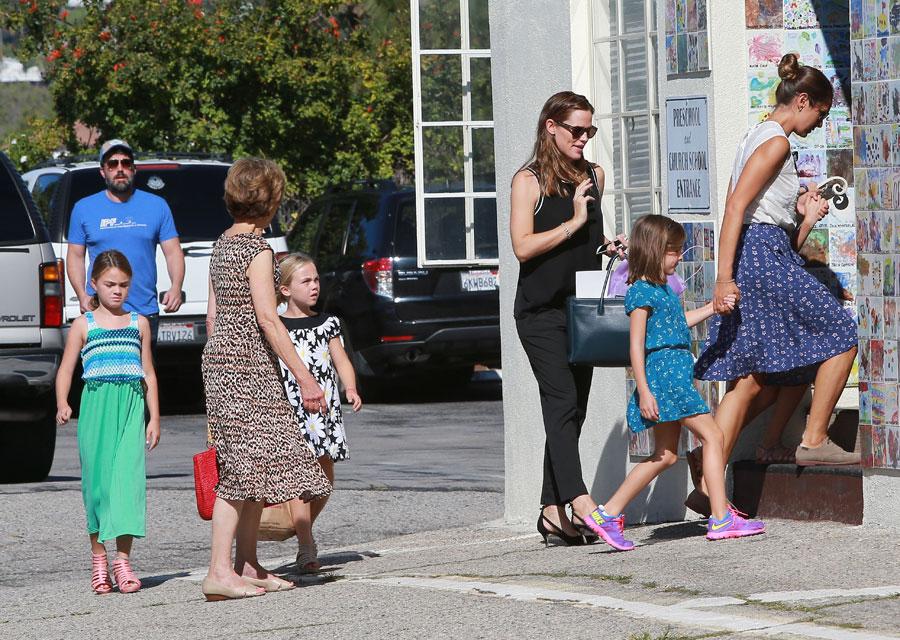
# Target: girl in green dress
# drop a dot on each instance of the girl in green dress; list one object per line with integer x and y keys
{"x": 119, "y": 379}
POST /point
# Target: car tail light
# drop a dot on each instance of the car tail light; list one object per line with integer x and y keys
{"x": 379, "y": 275}
{"x": 396, "y": 338}
{"x": 52, "y": 294}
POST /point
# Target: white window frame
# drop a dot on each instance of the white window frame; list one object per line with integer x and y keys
{"x": 616, "y": 39}
{"x": 467, "y": 124}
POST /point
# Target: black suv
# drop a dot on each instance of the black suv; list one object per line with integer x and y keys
{"x": 398, "y": 320}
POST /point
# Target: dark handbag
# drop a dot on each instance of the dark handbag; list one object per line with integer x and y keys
{"x": 598, "y": 329}
{"x": 206, "y": 477}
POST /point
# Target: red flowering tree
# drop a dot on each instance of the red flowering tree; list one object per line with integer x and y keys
{"x": 314, "y": 84}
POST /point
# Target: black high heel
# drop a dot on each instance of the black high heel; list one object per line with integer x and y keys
{"x": 569, "y": 541}
{"x": 589, "y": 536}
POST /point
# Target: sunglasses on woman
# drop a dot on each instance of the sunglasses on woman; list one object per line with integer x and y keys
{"x": 577, "y": 132}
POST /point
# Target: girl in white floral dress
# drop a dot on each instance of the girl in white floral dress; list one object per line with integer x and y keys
{"x": 316, "y": 337}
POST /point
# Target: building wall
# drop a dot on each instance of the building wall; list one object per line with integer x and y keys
{"x": 531, "y": 60}
{"x": 875, "y": 70}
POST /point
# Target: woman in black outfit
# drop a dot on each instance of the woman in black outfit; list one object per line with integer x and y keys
{"x": 556, "y": 228}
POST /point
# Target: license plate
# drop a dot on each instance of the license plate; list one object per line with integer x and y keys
{"x": 480, "y": 280}
{"x": 176, "y": 332}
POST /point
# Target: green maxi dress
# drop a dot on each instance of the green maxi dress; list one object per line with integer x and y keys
{"x": 111, "y": 432}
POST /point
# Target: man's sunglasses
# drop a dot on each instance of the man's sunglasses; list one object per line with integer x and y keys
{"x": 577, "y": 132}
{"x": 114, "y": 163}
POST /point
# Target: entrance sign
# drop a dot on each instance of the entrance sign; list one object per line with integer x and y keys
{"x": 687, "y": 155}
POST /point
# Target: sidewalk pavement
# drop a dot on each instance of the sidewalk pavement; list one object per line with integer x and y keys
{"x": 799, "y": 580}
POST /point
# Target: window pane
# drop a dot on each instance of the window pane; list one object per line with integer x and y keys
{"x": 637, "y": 151}
{"x": 303, "y": 235}
{"x": 439, "y": 24}
{"x": 604, "y": 14}
{"x": 442, "y": 158}
{"x": 651, "y": 19}
{"x": 482, "y": 107}
{"x": 405, "y": 241}
{"x": 654, "y": 98}
{"x": 486, "y": 228}
{"x": 441, "y": 88}
{"x": 633, "y": 16}
{"x": 483, "y": 160}
{"x": 606, "y": 77}
{"x": 16, "y": 225}
{"x": 613, "y": 214}
{"x": 331, "y": 238}
{"x": 635, "y": 71}
{"x": 445, "y": 229}
{"x": 639, "y": 204}
{"x": 42, "y": 194}
{"x": 603, "y": 149}
{"x": 365, "y": 237}
{"x": 479, "y": 30}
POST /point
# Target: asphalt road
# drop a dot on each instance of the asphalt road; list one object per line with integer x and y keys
{"x": 427, "y": 460}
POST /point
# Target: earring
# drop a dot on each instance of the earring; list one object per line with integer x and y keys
{"x": 801, "y": 107}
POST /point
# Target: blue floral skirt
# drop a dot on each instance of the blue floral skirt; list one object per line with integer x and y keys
{"x": 786, "y": 323}
{"x": 669, "y": 376}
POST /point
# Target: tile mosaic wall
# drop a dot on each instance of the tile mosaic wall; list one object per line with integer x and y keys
{"x": 687, "y": 37}
{"x": 875, "y": 69}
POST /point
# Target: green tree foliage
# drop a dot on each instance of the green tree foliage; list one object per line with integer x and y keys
{"x": 317, "y": 85}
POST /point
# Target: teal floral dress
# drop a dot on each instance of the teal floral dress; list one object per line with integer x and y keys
{"x": 668, "y": 362}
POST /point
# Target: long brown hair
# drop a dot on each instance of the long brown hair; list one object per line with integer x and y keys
{"x": 110, "y": 259}
{"x": 651, "y": 237}
{"x": 797, "y": 78}
{"x": 553, "y": 170}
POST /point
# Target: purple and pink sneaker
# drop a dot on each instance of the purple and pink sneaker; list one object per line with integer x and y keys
{"x": 734, "y": 525}
{"x": 609, "y": 528}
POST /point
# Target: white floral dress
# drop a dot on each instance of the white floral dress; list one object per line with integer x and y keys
{"x": 324, "y": 431}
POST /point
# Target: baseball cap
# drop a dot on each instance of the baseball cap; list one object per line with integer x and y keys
{"x": 111, "y": 145}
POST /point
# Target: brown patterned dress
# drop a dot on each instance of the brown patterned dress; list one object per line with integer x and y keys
{"x": 260, "y": 450}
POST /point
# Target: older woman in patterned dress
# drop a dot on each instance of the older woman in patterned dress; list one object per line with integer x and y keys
{"x": 260, "y": 452}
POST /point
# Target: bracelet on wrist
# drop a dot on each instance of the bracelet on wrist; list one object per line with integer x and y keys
{"x": 566, "y": 230}
{"x": 724, "y": 281}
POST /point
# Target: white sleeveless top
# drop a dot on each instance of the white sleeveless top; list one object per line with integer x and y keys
{"x": 776, "y": 203}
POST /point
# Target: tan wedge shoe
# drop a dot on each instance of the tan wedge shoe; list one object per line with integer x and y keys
{"x": 215, "y": 591}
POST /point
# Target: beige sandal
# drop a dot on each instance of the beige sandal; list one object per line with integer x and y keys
{"x": 308, "y": 558}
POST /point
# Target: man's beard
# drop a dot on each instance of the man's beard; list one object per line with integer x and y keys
{"x": 119, "y": 188}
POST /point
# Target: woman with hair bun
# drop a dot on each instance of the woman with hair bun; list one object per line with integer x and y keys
{"x": 787, "y": 329}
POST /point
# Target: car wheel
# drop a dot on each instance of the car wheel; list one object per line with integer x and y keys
{"x": 26, "y": 449}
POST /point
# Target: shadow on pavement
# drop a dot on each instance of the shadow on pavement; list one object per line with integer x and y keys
{"x": 154, "y": 581}
{"x": 677, "y": 531}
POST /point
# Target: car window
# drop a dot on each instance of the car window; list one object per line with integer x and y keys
{"x": 194, "y": 194}
{"x": 405, "y": 230}
{"x": 303, "y": 236}
{"x": 17, "y": 225}
{"x": 334, "y": 232}
{"x": 365, "y": 237}
{"x": 43, "y": 191}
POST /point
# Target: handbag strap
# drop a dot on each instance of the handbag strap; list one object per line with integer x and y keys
{"x": 609, "y": 272}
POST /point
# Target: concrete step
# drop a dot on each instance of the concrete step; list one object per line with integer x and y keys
{"x": 799, "y": 493}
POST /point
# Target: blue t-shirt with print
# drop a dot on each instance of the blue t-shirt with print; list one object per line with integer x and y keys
{"x": 133, "y": 227}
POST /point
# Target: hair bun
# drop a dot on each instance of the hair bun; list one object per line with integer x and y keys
{"x": 789, "y": 67}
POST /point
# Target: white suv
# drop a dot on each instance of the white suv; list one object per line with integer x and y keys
{"x": 194, "y": 188}
{"x": 31, "y": 340}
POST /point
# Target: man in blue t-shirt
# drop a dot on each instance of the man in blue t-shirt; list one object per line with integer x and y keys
{"x": 132, "y": 221}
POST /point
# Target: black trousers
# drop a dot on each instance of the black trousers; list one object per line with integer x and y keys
{"x": 564, "y": 392}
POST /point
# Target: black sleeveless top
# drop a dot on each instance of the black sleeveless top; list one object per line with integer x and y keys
{"x": 545, "y": 281}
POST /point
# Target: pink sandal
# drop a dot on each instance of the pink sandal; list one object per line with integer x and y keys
{"x": 100, "y": 581}
{"x": 125, "y": 578}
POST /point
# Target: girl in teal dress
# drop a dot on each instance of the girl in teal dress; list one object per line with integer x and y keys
{"x": 665, "y": 397}
{"x": 118, "y": 380}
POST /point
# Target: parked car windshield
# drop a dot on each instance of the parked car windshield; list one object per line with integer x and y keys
{"x": 17, "y": 226}
{"x": 194, "y": 193}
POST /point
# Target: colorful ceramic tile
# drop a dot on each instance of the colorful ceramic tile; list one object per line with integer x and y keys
{"x": 877, "y": 391}
{"x": 800, "y": 14}
{"x": 765, "y": 48}
{"x": 839, "y": 132}
{"x": 702, "y": 20}
{"x": 890, "y": 361}
{"x": 891, "y": 321}
{"x": 842, "y": 247}
{"x": 856, "y": 19}
{"x": 703, "y": 49}
{"x": 808, "y": 43}
{"x": 764, "y": 14}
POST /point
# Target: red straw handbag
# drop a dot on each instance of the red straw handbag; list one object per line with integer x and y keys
{"x": 206, "y": 477}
